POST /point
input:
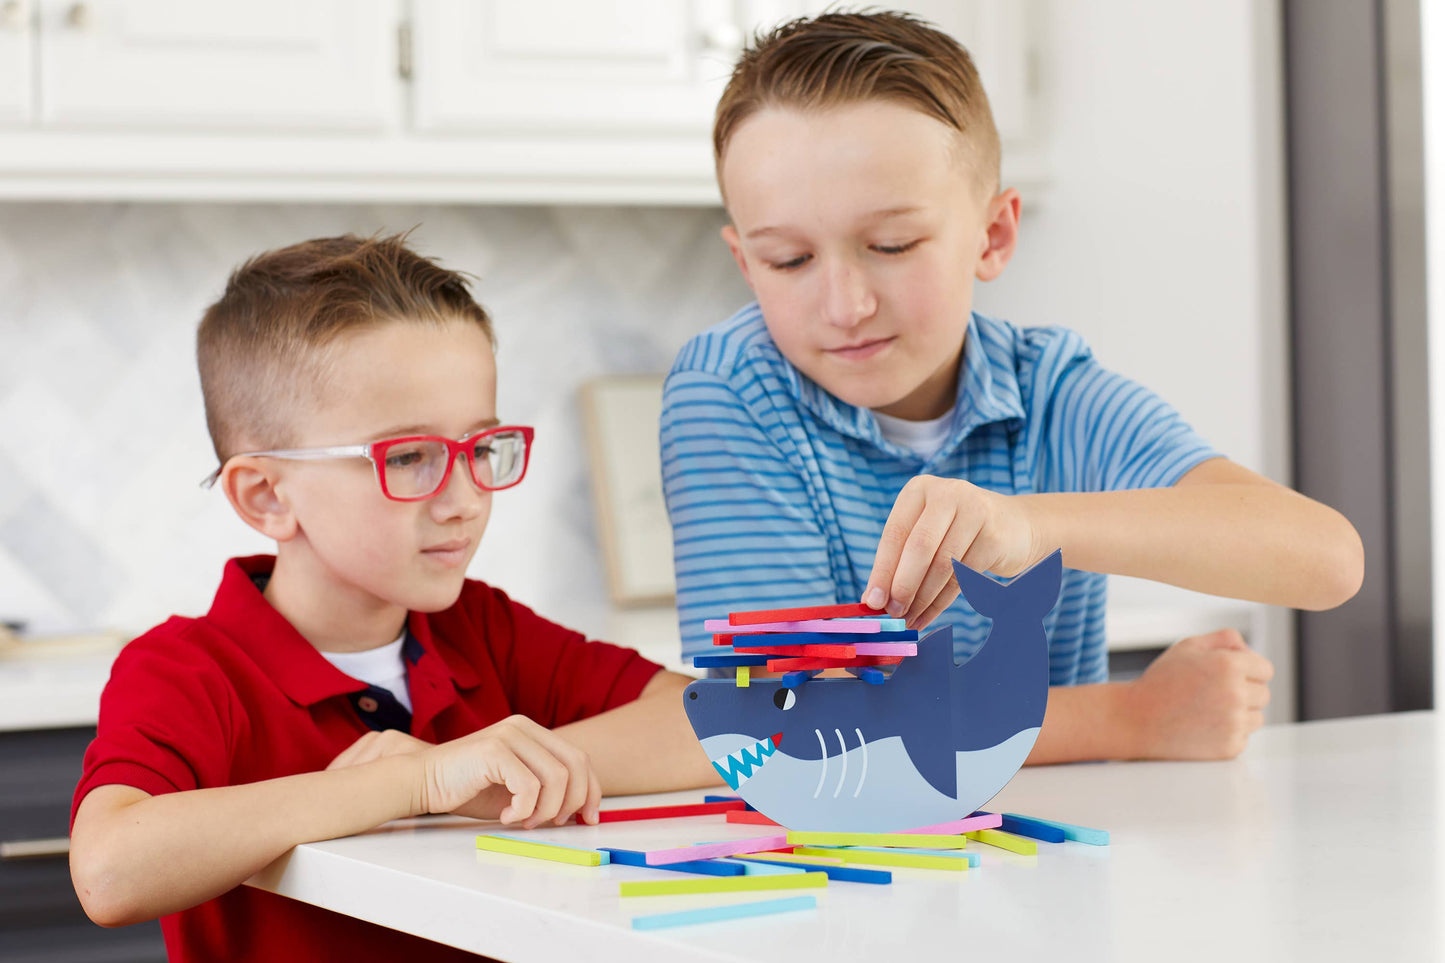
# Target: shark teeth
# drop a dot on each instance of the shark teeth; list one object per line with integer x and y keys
{"x": 737, "y": 767}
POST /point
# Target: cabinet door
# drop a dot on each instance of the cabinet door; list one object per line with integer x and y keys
{"x": 614, "y": 66}
{"x": 222, "y": 64}
{"x": 15, "y": 61}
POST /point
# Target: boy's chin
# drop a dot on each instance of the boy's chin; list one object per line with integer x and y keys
{"x": 435, "y": 598}
{"x": 872, "y": 396}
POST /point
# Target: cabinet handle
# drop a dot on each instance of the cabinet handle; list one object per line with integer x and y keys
{"x": 78, "y": 16}
{"x": 35, "y": 848}
{"x": 12, "y": 15}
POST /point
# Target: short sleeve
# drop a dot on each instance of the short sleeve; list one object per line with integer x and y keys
{"x": 166, "y": 723}
{"x": 744, "y": 529}
{"x": 552, "y": 674}
{"x": 1110, "y": 433}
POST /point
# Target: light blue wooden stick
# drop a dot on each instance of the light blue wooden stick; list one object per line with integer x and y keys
{"x": 728, "y": 911}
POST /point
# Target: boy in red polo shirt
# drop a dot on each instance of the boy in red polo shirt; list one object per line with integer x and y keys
{"x": 357, "y": 676}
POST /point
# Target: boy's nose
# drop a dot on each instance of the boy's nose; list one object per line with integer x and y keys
{"x": 848, "y": 298}
{"x": 461, "y": 495}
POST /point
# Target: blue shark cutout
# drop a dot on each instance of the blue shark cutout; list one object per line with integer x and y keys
{"x": 932, "y": 744}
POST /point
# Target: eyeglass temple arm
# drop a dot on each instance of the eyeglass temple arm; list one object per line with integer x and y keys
{"x": 294, "y": 454}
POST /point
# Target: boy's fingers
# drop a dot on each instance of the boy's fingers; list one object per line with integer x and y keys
{"x": 936, "y": 609}
{"x": 594, "y": 799}
{"x": 523, "y": 786}
{"x": 939, "y": 583}
{"x": 1257, "y": 668}
{"x": 918, "y": 554}
{"x": 1256, "y": 696}
{"x": 579, "y": 785}
{"x": 551, "y": 775}
{"x": 890, "y": 545}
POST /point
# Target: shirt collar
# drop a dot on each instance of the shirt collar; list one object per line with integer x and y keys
{"x": 988, "y": 392}
{"x": 294, "y": 664}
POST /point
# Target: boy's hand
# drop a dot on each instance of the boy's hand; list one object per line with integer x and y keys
{"x": 516, "y": 771}
{"x": 1200, "y": 699}
{"x": 376, "y": 745}
{"x": 934, "y": 521}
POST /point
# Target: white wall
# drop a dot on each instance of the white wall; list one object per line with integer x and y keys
{"x": 1160, "y": 236}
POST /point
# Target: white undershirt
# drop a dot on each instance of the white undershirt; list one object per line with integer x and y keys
{"x": 383, "y": 667}
{"x": 923, "y": 438}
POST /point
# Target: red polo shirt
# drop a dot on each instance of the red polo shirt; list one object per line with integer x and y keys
{"x": 238, "y": 695}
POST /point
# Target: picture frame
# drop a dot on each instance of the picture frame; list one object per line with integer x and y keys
{"x": 620, "y": 415}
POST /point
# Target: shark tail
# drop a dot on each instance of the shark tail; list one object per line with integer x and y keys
{"x": 1034, "y": 592}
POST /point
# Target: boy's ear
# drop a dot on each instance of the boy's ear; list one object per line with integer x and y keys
{"x": 735, "y": 245}
{"x": 1001, "y": 235}
{"x": 250, "y": 487}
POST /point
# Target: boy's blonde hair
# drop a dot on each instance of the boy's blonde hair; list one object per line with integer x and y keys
{"x": 844, "y": 58}
{"x": 262, "y": 349}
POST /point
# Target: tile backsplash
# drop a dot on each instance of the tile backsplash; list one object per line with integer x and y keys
{"x": 102, "y": 435}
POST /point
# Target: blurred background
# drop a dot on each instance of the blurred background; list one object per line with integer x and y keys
{"x": 1226, "y": 198}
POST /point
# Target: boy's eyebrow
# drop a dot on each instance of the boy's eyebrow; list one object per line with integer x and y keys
{"x": 401, "y": 431}
{"x": 882, "y": 214}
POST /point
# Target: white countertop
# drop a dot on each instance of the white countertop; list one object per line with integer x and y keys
{"x": 1322, "y": 842}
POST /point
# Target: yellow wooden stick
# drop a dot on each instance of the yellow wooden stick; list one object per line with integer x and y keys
{"x": 832, "y": 860}
{"x": 557, "y": 854}
{"x": 745, "y": 676}
{"x": 720, "y": 884}
{"x": 900, "y": 858}
{"x": 1008, "y": 841}
{"x": 900, "y": 840}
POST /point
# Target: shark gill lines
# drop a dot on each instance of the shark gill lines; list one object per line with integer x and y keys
{"x": 843, "y": 757}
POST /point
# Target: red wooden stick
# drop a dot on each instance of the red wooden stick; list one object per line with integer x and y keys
{"x": 788, "y": 665}
{"x": 807, "y": 612}
{"x": 820, "y": 651}
{"x": 668, "y": 812}
{"x": 749, "y": 816}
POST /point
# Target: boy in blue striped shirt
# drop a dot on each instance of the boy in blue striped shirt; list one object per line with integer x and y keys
{"x": 859, "y": 426}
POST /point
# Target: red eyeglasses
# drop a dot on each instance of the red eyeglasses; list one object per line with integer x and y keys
{"x": 417, "y": 467}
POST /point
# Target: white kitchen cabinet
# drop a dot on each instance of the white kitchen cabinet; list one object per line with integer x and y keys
{"x": 645, "y": 65}
{"x": 16, "y": 63}
{"x": 258, "y": 65}
{"x": 460, "y": 101}
{"x": 613, "y": 66}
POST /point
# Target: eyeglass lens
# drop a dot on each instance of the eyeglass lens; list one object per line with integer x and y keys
{"x": 416, "y": 468}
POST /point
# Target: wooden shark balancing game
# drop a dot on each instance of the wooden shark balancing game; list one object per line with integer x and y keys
{"x": 929, "y": 743}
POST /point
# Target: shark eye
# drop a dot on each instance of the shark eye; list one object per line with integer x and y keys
{"x": 784, "y": 699}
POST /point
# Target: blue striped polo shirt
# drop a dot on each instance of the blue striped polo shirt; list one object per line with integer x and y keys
{"x": 778, "y": 492}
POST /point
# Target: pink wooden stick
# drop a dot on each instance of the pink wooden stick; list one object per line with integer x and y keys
{"x": 968, "y": 824}
{"x": 757, "y": 844}
{"x": 885, "y": 648}
{"x": 851, "y": 626}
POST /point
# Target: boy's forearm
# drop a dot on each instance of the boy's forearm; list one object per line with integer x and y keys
{"x": 1259, "y": 542}
{"x": 667, "y": 757}
{"x": 162, "y": 854}
{"x": 1085, "y": 722}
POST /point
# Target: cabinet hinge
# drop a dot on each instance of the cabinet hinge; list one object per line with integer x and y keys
{"x": 403, "y": 50}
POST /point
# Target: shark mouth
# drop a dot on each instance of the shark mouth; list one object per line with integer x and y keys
{"x": 737, "y": 767}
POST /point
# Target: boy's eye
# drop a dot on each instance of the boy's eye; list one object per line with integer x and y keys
{"x": 404, "y": 458}
{"x": 896, "y": 248}
{"x": 790, "y": 264}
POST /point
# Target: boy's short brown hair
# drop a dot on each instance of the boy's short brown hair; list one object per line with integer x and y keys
{"x": 842, "y": 58}
{"x": 262, "y": 349}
